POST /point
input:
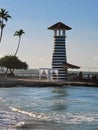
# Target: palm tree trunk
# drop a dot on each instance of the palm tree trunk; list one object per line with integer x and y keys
{"x": 1, "y": 34}
{"x": 1, "y": 29}
{"x": 17, "y": 46}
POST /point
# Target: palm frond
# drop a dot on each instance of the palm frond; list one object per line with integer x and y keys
{"x": 19, "y": 33}
{"x": 4, "y": 14}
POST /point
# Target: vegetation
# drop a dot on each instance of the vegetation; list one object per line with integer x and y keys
{"x": 19, "y": 34}
{"x": 11, "y": 63}
{"x": 4, "y": 16}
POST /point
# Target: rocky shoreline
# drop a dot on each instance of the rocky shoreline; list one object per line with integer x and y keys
{"x": 14, "y": 82}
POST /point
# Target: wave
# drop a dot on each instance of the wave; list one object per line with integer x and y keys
{"x": 67, "y": 118}
{"x": 17, "y": 118}
{"x": 31, "y": 114}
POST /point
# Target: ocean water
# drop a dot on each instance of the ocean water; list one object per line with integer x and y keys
{"x": 50, "y": 108}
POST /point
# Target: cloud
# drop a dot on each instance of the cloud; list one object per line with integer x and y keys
{"x": 41, "y": 59}
{"x": 95, "y": 57}
{"x": 1, "y": 55}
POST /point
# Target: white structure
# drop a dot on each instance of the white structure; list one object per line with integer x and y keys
{"x": 46, "y": 74}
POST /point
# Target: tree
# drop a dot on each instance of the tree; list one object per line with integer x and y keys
{"x": 11, "y": 63}
{"x": 19, "y": 34}
{"x": 4, "y": 16}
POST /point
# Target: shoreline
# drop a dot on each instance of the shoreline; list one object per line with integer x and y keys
{"x": 16, "y": 82}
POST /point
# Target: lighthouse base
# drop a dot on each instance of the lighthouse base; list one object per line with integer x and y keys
{"x": 61, "y": 75}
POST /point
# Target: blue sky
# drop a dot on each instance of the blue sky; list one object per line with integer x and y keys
{"x": 35, "y": 16}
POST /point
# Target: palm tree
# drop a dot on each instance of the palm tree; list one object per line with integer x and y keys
{"x": 4, "y": 16}
{"x": 19, "y": 34}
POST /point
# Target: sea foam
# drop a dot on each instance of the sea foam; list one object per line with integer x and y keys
{"x": 67, "y": 118}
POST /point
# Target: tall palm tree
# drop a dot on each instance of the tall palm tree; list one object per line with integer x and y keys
{"x": 19, "y": 34}
{"x": 4, "y": 16}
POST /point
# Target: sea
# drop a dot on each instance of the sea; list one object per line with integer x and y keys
{"x": 49, "y": 108}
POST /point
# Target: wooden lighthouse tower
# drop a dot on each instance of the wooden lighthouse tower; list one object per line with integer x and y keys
{"x": 59, "y": 51}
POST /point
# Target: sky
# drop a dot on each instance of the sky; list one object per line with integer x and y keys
{"x": 35, "y": 16}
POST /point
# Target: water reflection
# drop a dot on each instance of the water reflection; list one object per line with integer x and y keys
{"x": 59, "y": 97}
{"x": 60, "y": 92}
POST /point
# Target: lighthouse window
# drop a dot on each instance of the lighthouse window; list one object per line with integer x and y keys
{"x": 59, "y": 32}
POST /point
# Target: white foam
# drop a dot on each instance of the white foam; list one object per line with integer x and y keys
{"x": 31, "y": 114}
{"x": 76, "y": 118}
{"x": 67, "y": 118}
{"x": 19, "y": 124}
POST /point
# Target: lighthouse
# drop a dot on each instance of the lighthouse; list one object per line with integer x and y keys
{"x": 59, "y": 51}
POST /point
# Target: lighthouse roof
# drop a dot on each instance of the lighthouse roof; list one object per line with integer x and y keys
{"x": 59, "y": 25}
{"x": 67, "y": 65}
